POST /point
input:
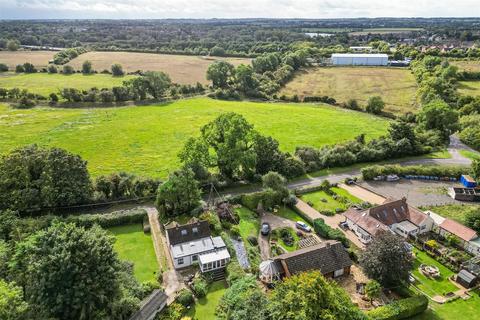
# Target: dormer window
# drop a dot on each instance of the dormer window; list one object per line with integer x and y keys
{"x": 195, "y": 230}
{"x": 184, "y": 232}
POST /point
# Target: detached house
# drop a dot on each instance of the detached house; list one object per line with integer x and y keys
{"x": 394, "y": 215}
{"x": 192, "y": 243}
{"x": 328, "y": 257}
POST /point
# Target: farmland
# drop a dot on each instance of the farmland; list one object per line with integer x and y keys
{"x": 182, "y": 69}
{"x": 471, "y": 88}
{"x": 37, "y": 58}
{"x": 146, "y": 139}
{"x": 384, "y": 31}
{"x": 397, "y": 87}
{"x": 467, "y": 65}
{"x": 44, "y": 83}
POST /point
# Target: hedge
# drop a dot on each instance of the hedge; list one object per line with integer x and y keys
{"x": 268, "y": 198}
{"x": 371, "y": 172}
{"x": 325, "y": 231}
{"x": 106, "y": 220}
{"x": 400, "y": 309}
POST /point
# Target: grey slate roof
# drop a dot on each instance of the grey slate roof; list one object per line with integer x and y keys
{"x": 327, "y": 257}
{"x": 188, "y": 232}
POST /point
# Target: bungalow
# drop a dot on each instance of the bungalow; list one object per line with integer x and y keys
{"x": 396, "y": 216}
{"x": 192, "y": 243}
{"x": 329, "y": 257}
{"x": 469, "y": 239}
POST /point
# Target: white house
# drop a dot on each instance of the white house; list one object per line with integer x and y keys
{"x": 192, "y": 243}
{"x": 396, "y": 216}
{"x": 359, "y": 59}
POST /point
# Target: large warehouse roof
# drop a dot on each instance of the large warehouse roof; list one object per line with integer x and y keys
{"x": 359, "y": 55}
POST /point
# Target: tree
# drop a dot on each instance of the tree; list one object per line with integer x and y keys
{"x": 70, "y": 272}
{"x": 157, "y": 83}
{"x": 274, "y": 181}
{"x": 29, "y": 68}
{"x": 32, "y": 178}
{"x": 12, "y": 305}
{"x": 117, "y": 70}
{"x": 53, "y": 97}
{"x": 472, "y": 219}
{"x": 195, "y": 156}
{"x": 387, "y": 260}
{"x": 19, "y": 68}
{"x": 52, "y": 68}
{"x": 221, "y": 74}
{"x": 3, "y": 67}
{"x": 179, "y": 194}
{"x": 243, "y": 300}
{"x": 399, "y": 130}
{"x": 87, "y": 67}
{"x": 244, "y": 78}
{"x": 438, "y": 115}
{"x": 13, "y": 45}
{"x": 476, "y": 169}
{"x": 310, "y": 296}
{"x": 231, "y": 138}
{"x": 8, "y": 221}
{"x": 68, "y": 69}
{"x": 375, "y": 105}
{"x": 269, "y": 157}
{"x": 373, "y": 290}
{"x": 217, "y": 51}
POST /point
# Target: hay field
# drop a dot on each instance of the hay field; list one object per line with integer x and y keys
{"x": 470, "y": 88}
{"x": 182, "y": 69}
{"x": 396, "y": 86}
{"x": 37, "y": 58}
{"x": 145, "y": 140}
{"x": 44, "y": 83}
{"x": 467, "y": 65}
{"x": 384, "y": 31}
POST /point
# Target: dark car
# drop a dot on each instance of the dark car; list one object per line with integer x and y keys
{"x": 343, "y": 225}
{"x": 265, "y": 230}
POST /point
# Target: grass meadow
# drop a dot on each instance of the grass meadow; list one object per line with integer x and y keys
{"x": 470, "y": 88}
{"x": 44, "y": 83}
{"x": 324, "y": 202}
{"x": 396, "y": 86}
{"x": 145, "y": 140}
{"x": 135, "y": 246}
{"x": 467, "y": 65}
{"x": 182, "y": 69}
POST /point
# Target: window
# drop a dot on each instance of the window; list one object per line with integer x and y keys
{"x": 423, "y": 227}
{"x": 194, "y": 258}
{"x": 195, "y": 230}
{"x": 180, "y": 261}
{"x": 184, "y": 232}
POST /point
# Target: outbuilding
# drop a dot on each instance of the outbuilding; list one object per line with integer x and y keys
{"x": 466, "y": 279}
{"x": 359, "y": 59}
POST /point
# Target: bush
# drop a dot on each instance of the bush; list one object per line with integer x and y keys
{"x": 375, "y": 105}
{"x": 400, "y": 309}
{"x": 325, "y": 231}
{"x": 19, "y": 68}
{"x": 234, "y": 272}
{"x": 351, "y": 104}
{"x": 68, "y": 70}
{"x": 3, "y": 67}
{"x": 252, "y": 240}
{"x": 106, "y": 220}
{"x": 200, "y": 287}
{"x": 117, "y": 70}
{"x": 185, "y": 297}
{"x": 371, "y": 172}
{"x": 25, "y": 103}
{"x": 235, "y": 231}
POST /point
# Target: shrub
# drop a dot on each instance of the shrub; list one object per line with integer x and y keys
{"x": 328, "y": 232}
{"x": 25, "y": 103}
{"x": 52, "y": 68}
{"x": 200, "y": 287}
{"x": 234, "y": 272}
{"x": 68, "y": 70}
{"x": 375, "y": 105}
{"x": 252, "y": 240}
{"x": 111, "y": 219}
{"x": 371, "y": 172}
{"x": 185, "y": 297}
{"x": 3, "y": 67}
{"x": 235, "y": 231}
{"x": 117, "y": 70}
{"x": 19, "y": 68}
{"x": 400, "y": 309}
{"x": 29, "y": 68}
{"x": 351, "y": 104}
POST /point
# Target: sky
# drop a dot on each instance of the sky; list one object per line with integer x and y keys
{"x": 160, "y": 9}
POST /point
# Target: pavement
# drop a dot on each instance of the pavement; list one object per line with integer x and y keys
{"x": 275, "y": 222}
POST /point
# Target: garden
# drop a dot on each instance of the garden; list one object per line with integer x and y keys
{"x": 204, "y": 308}
{"x": 287, "y": 238}
{"x": 133, "y": 245}
{"x": 330, "y": 201}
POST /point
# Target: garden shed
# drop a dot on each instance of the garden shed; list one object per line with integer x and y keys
{"x": 466, "y": 279}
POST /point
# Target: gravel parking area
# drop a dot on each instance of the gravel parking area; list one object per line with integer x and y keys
{"x": 418, "y": 192}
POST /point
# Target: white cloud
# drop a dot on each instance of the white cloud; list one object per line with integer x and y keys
{"x": 14, "y": 9}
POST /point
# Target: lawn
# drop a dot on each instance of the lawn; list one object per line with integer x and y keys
{"x": 181, "y": 68}
{"x": 135, "y": 246}
{"x": 470, "y": 154}
{"x": 324, "y": 202}
{"x": 249, "y": 226}
{"x": 145, "y": 140}
{"x": 470, "y": 88}
{"x": 289, "y": 214}
{"x": 37, "y": 58}
{"x": 455, "y": 211}
{"x": 458, "y": 309}
{"x": 276, "y": 236}
{"x": 432, "y": 287}
{"x": 204, "y": 308}
{"x": 396, "y": 86}
{"x": 44, "y": 83}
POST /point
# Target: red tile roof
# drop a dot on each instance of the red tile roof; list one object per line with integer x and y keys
{"x": 459, "y": 230}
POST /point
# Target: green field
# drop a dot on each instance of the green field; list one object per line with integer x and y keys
{"x": 145, "y": 140}
{"x": 324, "y": 202}
{"x": 135, "y": 246}
{"x": 289, "y": 214}
{"x": 204, "y": 308}
{"x": 470, "y": 154}
{"x": 467, "y": 65}
{"x": 384, "y": 31}
{"x": 396, "y": 86}
{"x": 44, "y": 83}
{"x": 470, "y": 88}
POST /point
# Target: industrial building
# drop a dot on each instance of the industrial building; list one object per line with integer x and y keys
{"x": 359, "y": 59}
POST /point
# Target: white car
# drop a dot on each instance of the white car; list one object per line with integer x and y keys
{"x": 303, "y": 226}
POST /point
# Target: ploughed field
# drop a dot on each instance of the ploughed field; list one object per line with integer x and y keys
{"x": 181, "y": 68}
{"x": 44, "y": 83}
{"x": 145, "y": 140}
{"x": 396, "y": 86}
{"x": 37, "y": 58}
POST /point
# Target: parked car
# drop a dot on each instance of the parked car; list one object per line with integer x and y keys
{"x": 343, "y": 225}
{"x": 392, "y": 178}
{"x": 265, "y": 229}
{"x": 303, "y": 226}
